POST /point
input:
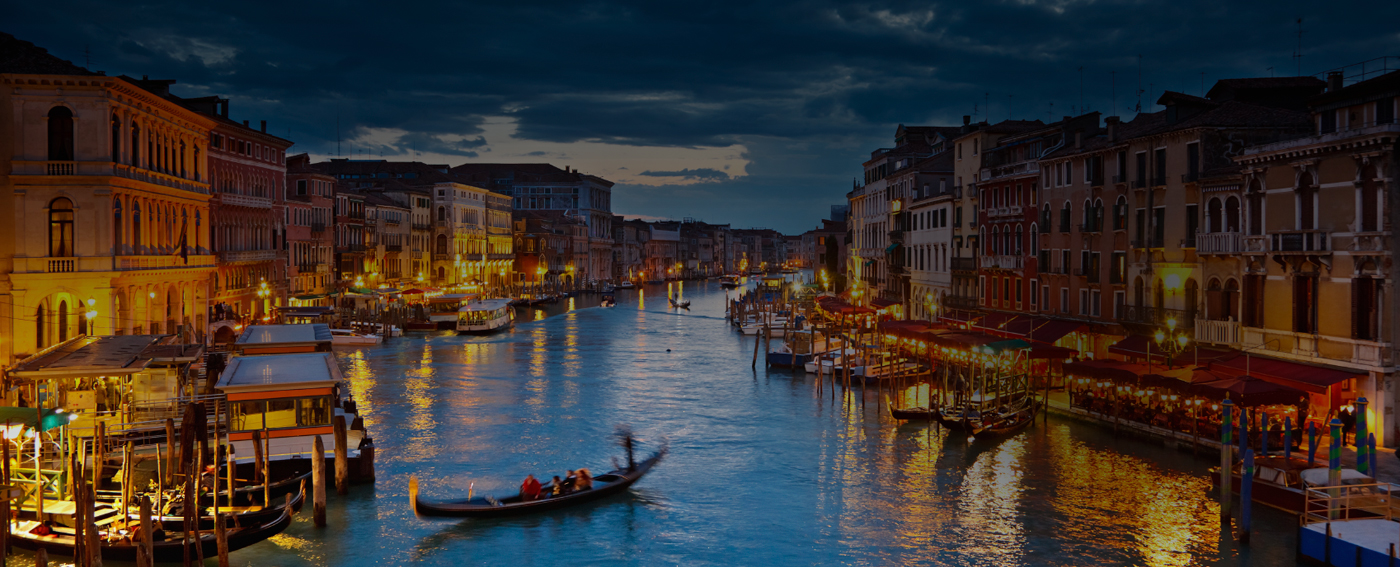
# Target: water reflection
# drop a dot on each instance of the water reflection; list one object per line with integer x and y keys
{"x": 765, "y": 469}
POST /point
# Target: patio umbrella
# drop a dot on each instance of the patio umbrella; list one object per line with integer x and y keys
{"x": 1250, "y": 391}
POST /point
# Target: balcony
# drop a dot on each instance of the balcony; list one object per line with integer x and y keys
{"x": 442, "y": 257}
{"x": 1191, "y": 177}
{"x": 391, "y": 221}
{"x": 1223, "y": 243}
{"x": 306, "y": 268}
{"x": 1096, "y": 180}
{"x": 393, "y": 248}
{"x": 1158, "y": 316}
{"x": 1220, "y": 332}
{"x": 422, "y": 226}
{"x": 1370, "y": 243}
{"x": 1255, "y": 244}
{"x": 249, "y": 201}
{"x": 964, "y": 264}
{"x": 958, "y": 302}
{"x": 1091, "y": 273}
{"x": 318, "y": 227}
{"x": 246, "y": 256}
{"x": 1090, "y": 227}
{"x": 1012, "y": 211}
{"x": 1004, "y": 262}
{"x": 1299, "y": 241}
{"x": 172, "y": 261}
{"x": 1120, "y": 179}
{"x": 99, "y": 168}
{"x": 1159, "y": 180}
{"x": 1139, "y": 183}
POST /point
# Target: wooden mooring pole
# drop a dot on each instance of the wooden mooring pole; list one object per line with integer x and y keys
{"x": 342, "y": 459}
{"x": 318, "y": 483}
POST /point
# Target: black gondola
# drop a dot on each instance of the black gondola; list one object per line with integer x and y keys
{"x": 913, "y": 414}
{"x": 1001, "y": 424}
{"x": 172, "y": 550}
{"x": 172, "y": 518}
{"x": 486, "y": 507}
{"x": 680, "y": 304}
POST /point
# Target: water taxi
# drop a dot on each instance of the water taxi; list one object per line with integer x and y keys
{"x": 485, "y": 316}
{"x": 626, "y": 284}
{"x": 350, "y": 337}
{"x": 729, "y": 282}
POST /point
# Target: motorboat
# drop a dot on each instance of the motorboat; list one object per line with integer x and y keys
{"x": 729, "y": 282}
{"x": 485, "y": 316}
{"x": 626, "y": 284}
{"x": 350, "y": 337}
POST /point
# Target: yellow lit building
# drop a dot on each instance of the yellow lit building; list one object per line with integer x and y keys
{"x": 104, "y": 188}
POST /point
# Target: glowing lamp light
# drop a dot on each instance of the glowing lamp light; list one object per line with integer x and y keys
{"x": 91, "y": 302}
{"x": 1160, "y": 336}
{"x": 1172, "y": 281}
{"x": 91, "y": 314}
{"x": 1181, "y": 340}
{"x": 1171, "y": 323}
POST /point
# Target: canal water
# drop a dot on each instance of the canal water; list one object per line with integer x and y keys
{"x": 762, "y": 469}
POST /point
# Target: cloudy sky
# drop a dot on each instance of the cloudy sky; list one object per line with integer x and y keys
{"x": 756, "y": 114}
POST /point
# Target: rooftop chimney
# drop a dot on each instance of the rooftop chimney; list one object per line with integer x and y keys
{"x": 967, "y": 120}
{"x": 1334, "y": 81}
{"x": 224, "y": 111}
{"x": 1112, "y": 123}
{"x": 263, "y": 125}
{"x": 1079, "y": 139}
{"x": 245, "y": 123}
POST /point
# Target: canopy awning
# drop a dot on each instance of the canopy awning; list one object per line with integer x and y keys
{"x": 28, "y": 417}
{"x": 1248, "y": 391}
{"x": 1307, "y": 377}
{"x": 1051, "y": 352}
{"x": 882, "y": 303}
{"x": 1111, "y": 370}
{"x": 309, "y": 297}
{"x": 1138, "y": 346}
{"x": 891, "y": 247}
{"x": 1051, "y": 330}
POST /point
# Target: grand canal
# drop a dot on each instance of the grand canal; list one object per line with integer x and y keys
{"x": 763, "y": 470}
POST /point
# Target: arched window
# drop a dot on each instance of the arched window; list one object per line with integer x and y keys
{"x": 60, "y": 134}
{"x": 1138, "y": 292}
{"x": 1255, "y": 199}
{"x": 1192, "y": 292}
{"x": 1306, "y": 196}
{"x": 1120, "y": 213}
{"x": 136, "y": 227}
{"x": 995, "y": 240}
{"x": 1064, "y": 218}
{"x": 116, "y": 139}
{"x": 1019, "y": 237}
{"x": 62, "y": 321}
{"x": 61, "y": 228}
{"x": 1097, "y": 217}
{"x": 1035, "y": 240}
{"x": 39, "y": 338}
{"x": 1045, "y": 217}
{"x": 1369, "y": 204}
{"x": 1213, "y": 215}
{"x": 135, "y": 145}
{"x": 442, "y": 244}
{"x": 1159, "y": 294}
{"x": 442, "y": 214}
{"x": 196, "y": 231}
{"x": 1232, "y": 214}
{"x": 117, "y": 226}
{"x": 1088, "y": 215}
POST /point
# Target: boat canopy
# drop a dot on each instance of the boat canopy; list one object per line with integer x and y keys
{"x": 28, "y": 417}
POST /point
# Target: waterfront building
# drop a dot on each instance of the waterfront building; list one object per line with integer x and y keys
{"x": 114, "y": 180}
{"x": 543, "y": 249}
{"x": 387, "y": 233}
{"x": 661, "y": 250}
{"x": 541, "y": 187}
{"x": 911, "y": 181}
{"x": 310, "y": 238}
{"x": 929, "y": 238}
{"x": 629, "y": 239}
{"x": 349, "y": 240}
{"x": 1317, "y": 253}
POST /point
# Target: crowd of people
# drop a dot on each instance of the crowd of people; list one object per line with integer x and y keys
{"x": 573, "y": 481}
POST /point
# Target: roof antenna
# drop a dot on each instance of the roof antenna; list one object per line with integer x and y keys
{"x": 1050, "y": 114}
{"x": 1298, "y": 54}
{"x": 1203, "y": 84}
{"x": 337, "y": 134}
{"x": 87, "y": 56}
{"x": 1138, "y": 108}
{"x": 987, "y": 104}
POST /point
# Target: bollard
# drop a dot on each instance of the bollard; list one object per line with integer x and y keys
{"x": 1334, "y": 468}
{"x": 221, "y": 537}
{"x": 1371, "y": 452}
{"x": 1226, "y": 428}
{"x": 147, "y": 542}
{"x": 342, "y": 463}
{"x": 318, "y": 483}
{"x": 41, "y": 558}
{"x": 1246, "y": 494}
{"x": 1363, "y": 463}
{"x": 1287, "y": 438}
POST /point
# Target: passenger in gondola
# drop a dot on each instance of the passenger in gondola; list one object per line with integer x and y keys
{"x": 557, "y": 487}
{"x": 584, "y": 481}
{"x": 570, "y": 480}
{"x": 530, "y": 489}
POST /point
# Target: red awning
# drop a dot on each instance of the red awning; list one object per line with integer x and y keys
{"x": 1315, "y": 379}
{"x": 959, "y": 317}
{"x": 882, "y": 303}
{"x": 1112, "y": 370}
{"x": 1052, "y": 352}
{"x": 1051, "y": 330}
{"x": 996, "y": 322}
{"x": 1250, "y": 391}
{"x": 1138, "y": 346}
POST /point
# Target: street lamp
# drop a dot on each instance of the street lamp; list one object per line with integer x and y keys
{"x": 1170, "y": 342}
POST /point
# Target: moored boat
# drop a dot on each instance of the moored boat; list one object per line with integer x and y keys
{"x": 114, "y": 547}
{"x": 349, "y": 337}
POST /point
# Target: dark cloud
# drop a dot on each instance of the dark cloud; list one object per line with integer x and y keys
{"x": 702, "y": 173}
{"x": 809, "y": 87}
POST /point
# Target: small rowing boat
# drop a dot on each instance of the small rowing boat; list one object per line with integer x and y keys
{"x": 487, "y": 507}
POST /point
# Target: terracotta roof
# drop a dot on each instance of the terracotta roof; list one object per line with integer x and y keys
{"x": 1013, "y": 126}
{"x": 24, "y": 58}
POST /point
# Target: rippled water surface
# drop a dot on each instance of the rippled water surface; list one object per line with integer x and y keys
{"x": 763, "y": 469}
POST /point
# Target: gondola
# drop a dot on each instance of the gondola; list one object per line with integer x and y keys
{"x": 913, "y": 414}
{"x": 487, "y": 507}
{"x": 173, "y": 517}
{"x": 1002, "y": 424}
{"x": 171, "y": 550}
{"x": 680, "y": 304}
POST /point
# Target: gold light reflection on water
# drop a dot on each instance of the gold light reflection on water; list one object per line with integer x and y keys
{"x": 418, "y": 390}
{"x": 361, "y": 380}
{"x": 1166, "y": 516}
{"x": 571, "y": 304}
{"x": 988, "y": 505}
{"x": 539, "y": 351}
{"x": 539, "y": 314}
{"x": 302, "y": 547}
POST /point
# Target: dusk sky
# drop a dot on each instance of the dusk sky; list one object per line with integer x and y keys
{"x": 757, "y": 115}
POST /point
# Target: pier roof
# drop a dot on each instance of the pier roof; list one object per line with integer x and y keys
{"x": 280, "y": 373}
{"x": 279, "y": 339}
{"x": 94, "y": 356}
